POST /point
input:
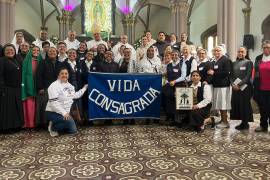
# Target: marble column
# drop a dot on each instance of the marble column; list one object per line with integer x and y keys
{"x": 246, "y": 11}
{"x": 129, "y": 22}
{"x": 70, "y": 23}
{"x": 179, "y": 16}
{"x": 227, "y": 25}
{"x": 7, "y": 20}
{"x": 65, "y": 23}
{"x": 61, "y": 22}
{"x": 231, "y": 29}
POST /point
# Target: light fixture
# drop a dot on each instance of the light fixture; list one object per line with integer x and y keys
{"x": 125, "y": 6}
{"x": 70, "y": 5}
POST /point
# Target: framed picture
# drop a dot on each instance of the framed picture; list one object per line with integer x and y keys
{"x": 184, "y": 98}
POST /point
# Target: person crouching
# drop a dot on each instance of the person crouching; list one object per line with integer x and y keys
{"x": 61, "y": 95}
{"x": 202, "y": 97}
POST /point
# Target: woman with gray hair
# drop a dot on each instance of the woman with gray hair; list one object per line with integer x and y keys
{"x": 221, "y": 71}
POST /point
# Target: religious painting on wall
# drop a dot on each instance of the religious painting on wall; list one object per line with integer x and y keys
{"x": 98, "y": 17}
{"x": 184, "y": 98}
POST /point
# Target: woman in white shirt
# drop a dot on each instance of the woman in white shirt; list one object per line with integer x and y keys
{"x": 61, "y": 95}
{"x": 202, "y": 97}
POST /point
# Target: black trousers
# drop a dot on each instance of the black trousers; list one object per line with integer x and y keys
{"x": 197, "y": 116}
{"x": 264, "y": 106}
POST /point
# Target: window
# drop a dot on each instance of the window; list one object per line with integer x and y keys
{"x": 209, "y": 39}
{"x": 266, "y": 28}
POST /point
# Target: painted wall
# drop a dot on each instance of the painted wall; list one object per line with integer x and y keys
{"x": 52, "y": 24}
{"x": 160, "y": 21}
{"x": 26, "y": 18}
{"x": 205, "y": 16}
{"x": 260, "y": 10}
{"x": 202, "y": 18}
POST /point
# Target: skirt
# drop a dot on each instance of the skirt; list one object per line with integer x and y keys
{"x": 41, "y": 120}
{"x": 221, "y": 99}
{"x": 29, "y": 110}
{"x": 241, "y": 105}
{"x": 11, "y": 110}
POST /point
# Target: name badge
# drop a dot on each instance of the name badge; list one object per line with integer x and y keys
{"x": 200, "y": 68}
{"x": 175, "y": 70}
{"x": 82, "y": 58}
{"x": 242, "y": 68}
{"x": 216, "y": 67}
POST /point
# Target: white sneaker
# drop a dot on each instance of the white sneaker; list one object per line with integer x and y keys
{"x": 223, "y": 125}
{"x": 52, "y": 133}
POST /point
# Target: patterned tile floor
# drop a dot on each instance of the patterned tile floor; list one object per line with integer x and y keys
{"x": 137, "y": 152}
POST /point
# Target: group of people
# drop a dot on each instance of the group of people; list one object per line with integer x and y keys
{"x": 41, "y": 83}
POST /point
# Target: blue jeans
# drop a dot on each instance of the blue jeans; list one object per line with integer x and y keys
{"x": 60, "y": 125}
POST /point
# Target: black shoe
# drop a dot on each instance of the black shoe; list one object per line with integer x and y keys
{"x": 156, "y": 121}
{"x": 261, "y": 129}
{"x": 179, "y": 125}
{"x": 108, "y": 122}
{"x": 147, "y": 121}
{"x": 242, "y": 127}
{"x": 132, "y": 121}
{"x": 198, "y": 130}
{"x": 213, "y": 123}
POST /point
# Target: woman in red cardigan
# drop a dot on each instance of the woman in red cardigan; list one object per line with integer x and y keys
{"x": 262, "y": 86}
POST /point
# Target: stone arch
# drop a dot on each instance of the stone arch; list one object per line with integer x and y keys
{"x": 266, "y": 28}
{"x": 212, "y": 31}
{"x": 27, "y": 36}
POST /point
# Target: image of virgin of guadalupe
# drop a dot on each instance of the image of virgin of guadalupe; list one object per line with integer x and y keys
{"x": 98, "y": 13}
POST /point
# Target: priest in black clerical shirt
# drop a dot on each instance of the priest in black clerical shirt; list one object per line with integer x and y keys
{"x": 109, "y": 66}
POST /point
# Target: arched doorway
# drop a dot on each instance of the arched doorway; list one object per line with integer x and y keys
{"x": 209, "y": 39}
{"x": 266, "y": 28}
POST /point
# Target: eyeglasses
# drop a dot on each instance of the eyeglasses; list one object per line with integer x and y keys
{"x": 266, "y": 47}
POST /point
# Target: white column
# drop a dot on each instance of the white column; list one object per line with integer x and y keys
{"x": 231, "y": 29}
{"x": 179, "y": 16}
{"x": 129, "y": 22}
{"x": 226, "y": 25}
{"x": 7, "y": 20}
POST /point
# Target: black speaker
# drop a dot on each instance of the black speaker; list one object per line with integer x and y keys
{"x": 248, "y": 41}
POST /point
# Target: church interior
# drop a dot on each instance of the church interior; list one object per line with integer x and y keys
{"x": 140, "y": 152}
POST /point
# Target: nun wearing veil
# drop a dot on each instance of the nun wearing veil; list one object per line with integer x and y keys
{"x": 11, "y": 111}
{"x": 17, "y": 40}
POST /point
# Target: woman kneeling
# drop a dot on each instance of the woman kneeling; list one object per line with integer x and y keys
{"x": 202, "y": 96}
{"x": 61, "y": 95}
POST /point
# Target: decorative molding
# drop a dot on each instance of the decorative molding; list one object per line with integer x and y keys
{"x": 8, "y": 1}
{"x": 247, "y": 2}
{"x": 246, "y": 11}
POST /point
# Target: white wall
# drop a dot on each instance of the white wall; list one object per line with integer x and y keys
{"x": 119, "y": 29}
{"x": 202, "y": 18}
{"x": 26, "y": 18}
{"x": 160, "y": 21}
{"x": 205, "y": 16}
{"x": 53, "y": 25}
{"x": 260, "y": 10}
